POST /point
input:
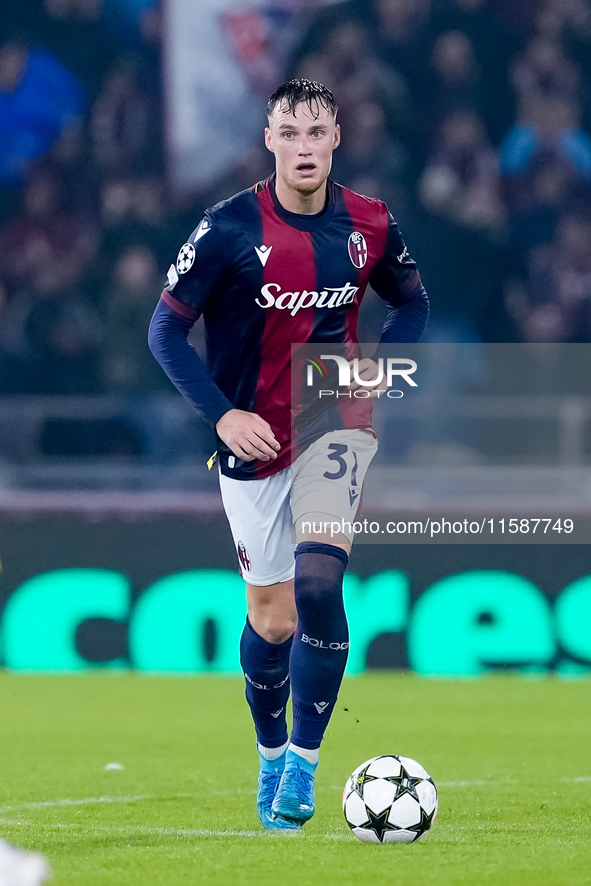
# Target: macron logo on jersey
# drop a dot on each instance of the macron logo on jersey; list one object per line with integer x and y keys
{"x": 263, "y": 253}
{"x": 331, "y": 297}
{"x": 203, "y": 228}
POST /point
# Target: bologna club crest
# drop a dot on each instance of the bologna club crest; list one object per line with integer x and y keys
{"x": 357, "y": 249}
{"x": 243, "y": 557}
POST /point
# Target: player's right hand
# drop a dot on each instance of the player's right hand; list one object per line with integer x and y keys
{"x": 248, "y": 435}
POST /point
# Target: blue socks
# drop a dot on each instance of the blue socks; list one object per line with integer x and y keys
{"x": 313, "y": 660}
{"x": 321, "y": 642}
{"x": 266, "y": 670}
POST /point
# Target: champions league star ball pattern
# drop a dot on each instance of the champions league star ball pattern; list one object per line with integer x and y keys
{"x": 185, "y": 258}
{"x": 390, "y": 800}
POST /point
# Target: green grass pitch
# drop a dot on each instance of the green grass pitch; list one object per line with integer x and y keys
{"x": 511, "y": 759}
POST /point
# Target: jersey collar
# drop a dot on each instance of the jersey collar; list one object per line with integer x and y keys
{"x": 296, "y": 219}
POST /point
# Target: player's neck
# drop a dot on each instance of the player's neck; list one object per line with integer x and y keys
{"x": 303, "y": 204}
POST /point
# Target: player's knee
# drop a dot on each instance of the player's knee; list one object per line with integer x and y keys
{"x": 280, "y": 635}
{"x": 279, "y": 629}
{"x": 274, "y": 625}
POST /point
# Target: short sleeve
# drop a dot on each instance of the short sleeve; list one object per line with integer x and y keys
{"x": 198, "y": 271}
{"x": 395, "y": 277}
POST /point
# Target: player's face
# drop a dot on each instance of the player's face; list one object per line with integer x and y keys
{"x": 303, "y": 144}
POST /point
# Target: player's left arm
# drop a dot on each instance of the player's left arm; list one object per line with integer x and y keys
{"x": 397, "y": 281}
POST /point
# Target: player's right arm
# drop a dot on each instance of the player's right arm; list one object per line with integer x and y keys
{"x": 198, "y": 271}
{"x": 248, "y": 435}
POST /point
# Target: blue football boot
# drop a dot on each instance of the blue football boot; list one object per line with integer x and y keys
{"x": 294, "y": 800}
{"x": 270, "y": 773}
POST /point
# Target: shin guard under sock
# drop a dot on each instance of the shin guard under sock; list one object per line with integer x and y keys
{"x": 266, "y": 671}
{"x": 321, "y": 642}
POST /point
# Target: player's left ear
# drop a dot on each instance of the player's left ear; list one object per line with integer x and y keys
{"x": 268, "y": 140}
{"x": 337, "y": 136}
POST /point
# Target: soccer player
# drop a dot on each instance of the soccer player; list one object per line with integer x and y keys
{"x": 283, "y": 262}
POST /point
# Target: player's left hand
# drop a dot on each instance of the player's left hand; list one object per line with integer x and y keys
{"x": 367, "y": 370}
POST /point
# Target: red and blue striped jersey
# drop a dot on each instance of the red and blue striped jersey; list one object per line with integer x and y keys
{"x": 264, "y": 278}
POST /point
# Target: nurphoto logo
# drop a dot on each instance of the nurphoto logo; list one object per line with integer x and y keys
{"x": 348, "y": 372}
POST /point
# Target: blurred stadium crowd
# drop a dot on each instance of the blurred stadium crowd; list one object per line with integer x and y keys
{"x": 471, "y": 118}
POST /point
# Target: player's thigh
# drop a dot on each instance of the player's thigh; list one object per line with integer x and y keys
{"x": 327, "y": 481}
{"x": 259, "y": 515}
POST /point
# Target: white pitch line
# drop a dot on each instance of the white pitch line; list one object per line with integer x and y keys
{"x": 99, "y": 801}
{"x": 131, "y": 830}
{"x": 86, "y": 801}
{"x": 139, "y": 829}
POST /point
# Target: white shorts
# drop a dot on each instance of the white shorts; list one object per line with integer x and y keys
{"x": 322, "y": 486}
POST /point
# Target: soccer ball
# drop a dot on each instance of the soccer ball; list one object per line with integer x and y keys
{"x": 390, "y": 800}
